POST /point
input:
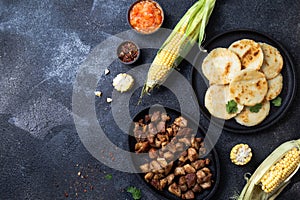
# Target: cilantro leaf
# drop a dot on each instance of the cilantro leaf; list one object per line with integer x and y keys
{"x": 108, "y": 177}
{"x": 136, "y": 193}
{"x": 231, "y": 107}
{"x": 256, "y": 108}
{"x": 277, "y": 102}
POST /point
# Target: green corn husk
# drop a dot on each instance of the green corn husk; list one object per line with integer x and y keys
{"x": 253, "y": 189}
{"x": 189, "y": 30}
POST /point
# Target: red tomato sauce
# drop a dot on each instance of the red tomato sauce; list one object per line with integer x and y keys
{"x": 146, "y": 16}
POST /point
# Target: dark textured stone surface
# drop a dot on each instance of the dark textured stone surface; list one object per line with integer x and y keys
{"x": 42, "y": 44}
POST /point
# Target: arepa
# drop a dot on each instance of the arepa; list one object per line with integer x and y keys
{"x": 273, "y": 61}
{"x": 220, "y": 65}
{"x": 248, "y": 118}
{"x": 249, "y": 87}
{"x": 249, "y": 52}
{"x": 275, "y": 87}
{"x": 216, "y": 98}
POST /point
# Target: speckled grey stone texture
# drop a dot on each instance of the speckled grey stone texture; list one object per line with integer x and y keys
{"x": 42, "y": 44}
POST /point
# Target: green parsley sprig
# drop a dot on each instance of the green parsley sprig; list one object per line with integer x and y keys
{"x": 231, "y": 107}
{"x": 277, "y": 102}
{"x": 135, "y": 192}
{"x": 108, "y": 177}
{"x": 256, "y": 108}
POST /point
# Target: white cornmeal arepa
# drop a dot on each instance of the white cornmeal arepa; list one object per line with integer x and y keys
{"x": 273, "y": 61}
{"x": 216, "y": 98}
{"x": 249, "y": 52}
{"x": 275, "y": 87}
{"x": 220, "y": 65}
{"x": 248, "y": 118}
{"x": 249, "y": 87}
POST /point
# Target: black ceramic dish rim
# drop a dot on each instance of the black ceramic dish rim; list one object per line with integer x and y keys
{"x": 213, "y": 153}
{"x": 254, "y": 129}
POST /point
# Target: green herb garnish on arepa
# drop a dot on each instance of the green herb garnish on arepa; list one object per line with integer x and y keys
{"x": 231, "y": 107}
{"x": 256, "y": 108}
{"x": 277, "y": 102}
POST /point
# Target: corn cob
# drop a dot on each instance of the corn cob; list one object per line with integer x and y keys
{"x": 190, "y": 28}
{"x": 281, "y": 170}
{"x": 274, "y": 174}
{"x": 164, "y": 60}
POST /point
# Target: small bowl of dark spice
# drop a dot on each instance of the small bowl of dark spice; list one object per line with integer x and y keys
{"x": 128, "y": 52}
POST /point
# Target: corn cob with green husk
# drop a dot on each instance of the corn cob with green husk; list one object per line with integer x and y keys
{"x": 274, "y": 174}
{"x": 186, "y": 33}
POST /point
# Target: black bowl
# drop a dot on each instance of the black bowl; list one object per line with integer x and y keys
{"x": 119, "y": 51}
{"x": 212, "y": 155}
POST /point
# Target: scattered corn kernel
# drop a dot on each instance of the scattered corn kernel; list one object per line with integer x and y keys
{"x": 240, "y": 154}
{"x": 98, "y": 93}
{"x": 108, "y": 100}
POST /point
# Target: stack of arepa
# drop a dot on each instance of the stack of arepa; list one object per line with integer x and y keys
{"x": 247, "y": 73}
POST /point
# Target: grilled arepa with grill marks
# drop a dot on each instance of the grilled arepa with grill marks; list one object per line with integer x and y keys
{"x": 273, "y": 61}
{"x": 220, "y": 65}
{"x": 275, "y": 87}
{"x": 249, "y": 87}
{"x": 216, "y": 98}
{"x": 248, "y": 118}
{"x": 249, "y": 52}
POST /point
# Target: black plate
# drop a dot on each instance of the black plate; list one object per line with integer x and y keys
{"x": 212, "y": 155}
{"x": 288, "y": 72}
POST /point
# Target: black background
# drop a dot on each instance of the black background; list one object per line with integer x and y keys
{"x": 42, "y": 44}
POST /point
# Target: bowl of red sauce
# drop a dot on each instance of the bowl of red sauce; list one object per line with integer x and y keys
{"x": 145, "y": 16}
